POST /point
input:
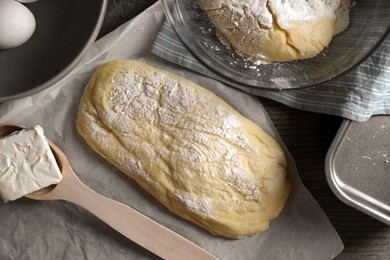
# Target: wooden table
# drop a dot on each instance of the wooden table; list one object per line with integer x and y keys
{"x": 308, "y": 137}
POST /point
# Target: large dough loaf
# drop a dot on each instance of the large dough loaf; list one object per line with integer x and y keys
{"x": 184, "y": 145}
{"x": 277, "y": 30}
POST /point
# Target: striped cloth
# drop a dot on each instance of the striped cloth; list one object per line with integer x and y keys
{"x": 357, "y": 95}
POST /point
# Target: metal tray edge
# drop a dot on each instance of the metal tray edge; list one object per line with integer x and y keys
{"x": 340, "y": 193}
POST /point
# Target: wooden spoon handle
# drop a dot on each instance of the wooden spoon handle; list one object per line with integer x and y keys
{"x": 132, "y": 224}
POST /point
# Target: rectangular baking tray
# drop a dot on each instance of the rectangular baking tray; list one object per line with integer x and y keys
{"x": 357, "y": 166}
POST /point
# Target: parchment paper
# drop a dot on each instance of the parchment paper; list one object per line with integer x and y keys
{"x": 60, "y": 230}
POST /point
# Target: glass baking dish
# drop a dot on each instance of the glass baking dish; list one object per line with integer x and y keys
{"x": 369, "y": 24}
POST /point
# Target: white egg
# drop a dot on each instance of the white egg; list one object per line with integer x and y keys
{"x": 17, "y": 24}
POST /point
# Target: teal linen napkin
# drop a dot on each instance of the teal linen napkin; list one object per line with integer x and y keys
{"x": 357, "y": 95}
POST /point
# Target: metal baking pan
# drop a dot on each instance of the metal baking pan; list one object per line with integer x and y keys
{"x": 358, "y": 166}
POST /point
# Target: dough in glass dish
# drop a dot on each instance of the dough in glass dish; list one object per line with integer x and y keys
{"x": 277, "y": 30}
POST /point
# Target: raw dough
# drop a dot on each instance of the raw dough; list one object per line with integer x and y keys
{"x": 277, "y": 30}
{"x": 184, "y": 145}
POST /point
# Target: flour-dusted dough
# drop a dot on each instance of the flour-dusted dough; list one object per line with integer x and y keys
{"x": 184, "y": 145}
{"x": 277, "y": 30}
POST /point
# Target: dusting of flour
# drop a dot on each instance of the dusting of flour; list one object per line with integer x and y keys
{"x": 185, "y": 146}
{"x": 187, "y": 128}
{"x": 277, "y": 30}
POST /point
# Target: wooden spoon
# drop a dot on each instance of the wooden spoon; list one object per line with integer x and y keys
{"x": 127, "y": 221}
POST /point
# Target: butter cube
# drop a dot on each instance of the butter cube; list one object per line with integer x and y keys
{"x": 27, "y": 164}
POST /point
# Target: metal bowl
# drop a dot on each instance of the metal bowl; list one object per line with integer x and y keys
{"x": 369, "y": 25}
{"x": 64, "y": 30}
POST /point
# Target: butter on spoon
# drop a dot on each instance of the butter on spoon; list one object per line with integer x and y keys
{"x": 26, "y": 163}
{"x": 127, "y": 221}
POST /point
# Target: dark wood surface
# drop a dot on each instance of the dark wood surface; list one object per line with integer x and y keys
{"x": 308, "y": 137}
